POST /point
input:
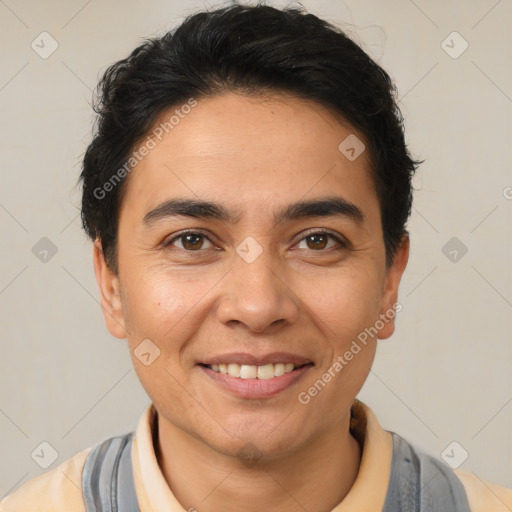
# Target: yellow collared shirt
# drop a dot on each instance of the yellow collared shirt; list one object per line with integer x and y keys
{"x": 60, "y": 489}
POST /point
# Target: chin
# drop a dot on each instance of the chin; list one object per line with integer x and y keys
{"x": 254, "y": 440}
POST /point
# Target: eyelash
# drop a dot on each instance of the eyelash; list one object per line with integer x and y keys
{"x": 341, "y": 243}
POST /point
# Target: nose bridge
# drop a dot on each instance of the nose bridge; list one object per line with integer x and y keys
{"x": 255, "y": 294}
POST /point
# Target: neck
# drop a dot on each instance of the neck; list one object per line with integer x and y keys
{"x": 315, "y": 477}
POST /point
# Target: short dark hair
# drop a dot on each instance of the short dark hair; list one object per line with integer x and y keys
{"x": 251, "y": 50}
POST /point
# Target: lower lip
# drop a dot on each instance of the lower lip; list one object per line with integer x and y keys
{"x": 256, "y": 388}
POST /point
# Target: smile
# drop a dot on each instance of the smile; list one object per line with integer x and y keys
{"x": 255, "y": 381}
{"x": 245, "y": 371}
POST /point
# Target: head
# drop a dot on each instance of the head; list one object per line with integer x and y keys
{"x": 247, "y": 191}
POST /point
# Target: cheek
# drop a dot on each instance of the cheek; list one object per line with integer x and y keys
{"x": 346, "y": 303}
{"x": 163, "y": 309}
{"x": 155, "y": 303}
{"x": 348, "y": 309}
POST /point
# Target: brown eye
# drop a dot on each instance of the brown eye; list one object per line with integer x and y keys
{"x": 190, "y": 241}
{"x": 318, "y": 241}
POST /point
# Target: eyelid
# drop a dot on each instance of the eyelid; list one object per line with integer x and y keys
{"x": 342, "y": 241}
{"x": 181, "y": 234}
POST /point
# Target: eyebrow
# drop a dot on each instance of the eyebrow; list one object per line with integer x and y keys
{"x": 321, "y": 207}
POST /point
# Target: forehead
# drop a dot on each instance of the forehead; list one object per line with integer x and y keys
{"x": 242, "y": 150}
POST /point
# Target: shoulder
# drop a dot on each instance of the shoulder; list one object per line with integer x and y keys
{"x": 57, "y": 490}
{"x": 484, "y": 496}
{"x": 417, "y": 478}
{"x": 436, "y": 480}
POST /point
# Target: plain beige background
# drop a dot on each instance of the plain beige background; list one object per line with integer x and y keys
{"x": 445, "y": 375}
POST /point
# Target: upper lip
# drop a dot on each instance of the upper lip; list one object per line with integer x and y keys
{"x": 254, "y": 360}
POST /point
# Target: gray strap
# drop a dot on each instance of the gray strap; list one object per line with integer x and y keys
{"x": 107, "y": 477}
{"x": 421, "y": 483}
{"x": 417, "y": 483}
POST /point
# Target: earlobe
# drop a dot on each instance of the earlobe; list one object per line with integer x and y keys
{"x": 390, "y": 306}
{"x": 110, "y": 297}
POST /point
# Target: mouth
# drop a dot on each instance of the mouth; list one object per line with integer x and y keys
{"x": 262, "y": 372}
{"x": 250, "y": 377}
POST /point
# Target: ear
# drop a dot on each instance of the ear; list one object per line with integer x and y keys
{"x": 110, "y": 298}
{"x": 389, "y": 303}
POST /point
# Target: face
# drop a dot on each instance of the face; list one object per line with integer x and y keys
{"x": 276, "y": 278}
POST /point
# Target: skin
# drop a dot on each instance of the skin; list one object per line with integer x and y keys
{"x": 254, "y": 155}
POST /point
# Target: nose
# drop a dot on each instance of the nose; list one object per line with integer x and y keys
{"x": 255, "y": 295}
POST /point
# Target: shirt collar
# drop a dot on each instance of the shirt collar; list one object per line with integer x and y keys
{"x": 370, "y": 488}
{"x": 367, "y": 493}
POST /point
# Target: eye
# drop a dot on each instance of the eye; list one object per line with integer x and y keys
{"x": 318, "y": 241}
{"x": 191, "y": 241}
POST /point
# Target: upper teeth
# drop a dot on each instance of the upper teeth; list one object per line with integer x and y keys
{"x": 245, "y": 371}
